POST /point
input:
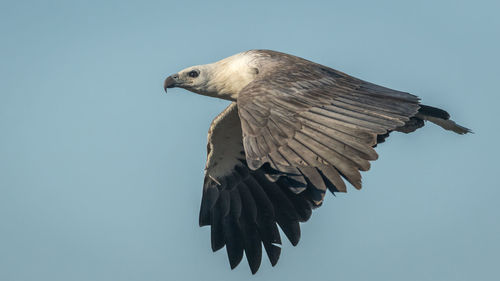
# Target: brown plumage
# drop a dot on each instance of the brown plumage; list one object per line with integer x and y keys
{"x": 293, "y": 130}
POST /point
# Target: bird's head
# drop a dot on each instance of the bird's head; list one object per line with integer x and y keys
{"x": 223, "y": 79}
{"x": 195, "y": 79}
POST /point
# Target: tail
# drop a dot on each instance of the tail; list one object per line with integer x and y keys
{"x": 440, "y": 118}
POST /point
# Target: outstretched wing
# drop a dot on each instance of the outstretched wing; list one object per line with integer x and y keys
{"x": 315, "y": 124}
{"x": 244, "y": 206}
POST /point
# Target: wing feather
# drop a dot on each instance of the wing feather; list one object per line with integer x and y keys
{"x": 322, "y": 122}
{"x": 244, "y": 207}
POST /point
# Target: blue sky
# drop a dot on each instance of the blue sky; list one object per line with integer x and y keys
{"x": 101, "y": 171}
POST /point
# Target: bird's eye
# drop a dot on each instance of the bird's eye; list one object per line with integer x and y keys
{"x": 193, "y": 74}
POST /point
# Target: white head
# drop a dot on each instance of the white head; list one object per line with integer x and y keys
{"x": 223, "y": 79}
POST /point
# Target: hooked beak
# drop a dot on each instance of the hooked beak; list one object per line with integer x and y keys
{"x": 171, "y": 82}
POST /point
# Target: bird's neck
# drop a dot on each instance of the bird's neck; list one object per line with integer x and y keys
{"x": 229, "y": 76}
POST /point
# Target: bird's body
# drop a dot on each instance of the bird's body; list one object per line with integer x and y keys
{"x": 293, "y": 130}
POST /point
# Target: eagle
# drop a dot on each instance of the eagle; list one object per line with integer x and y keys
{"x": 294, "y": 129}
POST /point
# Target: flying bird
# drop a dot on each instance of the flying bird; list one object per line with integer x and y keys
{"x": 294, "y": 129}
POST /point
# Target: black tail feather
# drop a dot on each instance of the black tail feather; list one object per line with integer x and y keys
{"x": 433, "y": 112}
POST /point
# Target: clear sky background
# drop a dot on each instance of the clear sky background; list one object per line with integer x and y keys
{"x": 101, "y": 171}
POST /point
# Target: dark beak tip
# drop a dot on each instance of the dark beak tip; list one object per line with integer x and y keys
{"x": 169, "y": 83}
